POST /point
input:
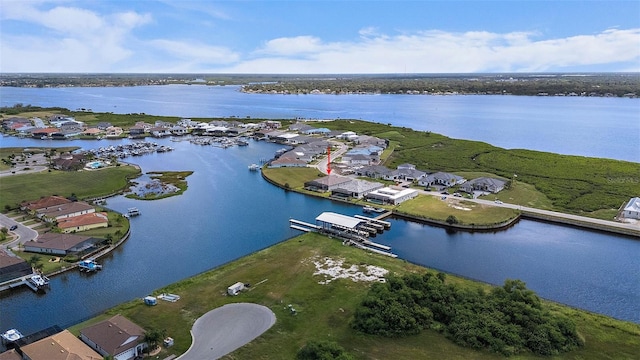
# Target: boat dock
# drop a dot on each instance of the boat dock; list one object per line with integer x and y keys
{"x": 352, "y": 230}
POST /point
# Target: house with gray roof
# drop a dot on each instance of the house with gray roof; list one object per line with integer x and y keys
{"x": 632, "y": 209}
{"x": 376, "y": 172}
{"x": 485, "y": 184}
{"x": 12, "y": 267}
{"x": 327, "y": 183}
{"x": 65, "y": 211}
{"x": 355, "y": 189}
{"x": 441, "y": 179}
{"x": 60, "y": 244}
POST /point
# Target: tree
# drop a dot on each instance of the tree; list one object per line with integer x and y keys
{"x": 451, "y": 220}
{"x": 153, "y": 337}
{"x": 322, "y": 350}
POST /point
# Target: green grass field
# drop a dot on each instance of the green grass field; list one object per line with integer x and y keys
{"x": 284, "y": 275}
{"x": 16, "y": 189}
{"x": 294, "y": 176}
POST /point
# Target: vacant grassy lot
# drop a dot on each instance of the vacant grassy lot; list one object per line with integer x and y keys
{"x": 294, "y": 176}
{"x": 16, "y": 189}
{"x": 467, "y": 212}
{"x": 284, "y": 274}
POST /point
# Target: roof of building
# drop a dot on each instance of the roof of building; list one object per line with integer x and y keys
{"x": 10, "y": 355}
{"x": 390, "y": 193}
{"x": 83, "y": 220}
{"x": 61, "y": 346}
{"x": 487, "y": 181}
{"x": 66, "y": 209}
{"x": 7, "y": 260}
{"x": 46, "y": 202}
{"x": 56, "y": 241}
{"x": 360, "y": 186}
{"x": 114, "y": 335}
{"x": 339, "y": 219}
{"x": 330, "y": 180}
{"x": 633, "y": 205}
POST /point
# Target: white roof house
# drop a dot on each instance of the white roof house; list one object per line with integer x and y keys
{"x": 388, "y": 195}
{"x": 632, "y": 209}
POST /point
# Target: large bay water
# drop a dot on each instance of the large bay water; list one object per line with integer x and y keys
{"x": 229, "y": 212}
{"x": 597, "y": 127}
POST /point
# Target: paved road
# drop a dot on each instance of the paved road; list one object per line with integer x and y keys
{"x": 227, "y": 328}
{"x": 24, "y": 232}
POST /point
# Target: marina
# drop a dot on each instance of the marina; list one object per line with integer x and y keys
{"x": 353, "y": 231}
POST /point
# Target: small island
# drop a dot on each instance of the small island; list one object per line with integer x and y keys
{"x": 160, "y": 185}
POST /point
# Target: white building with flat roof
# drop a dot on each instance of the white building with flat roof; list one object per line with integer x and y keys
{"x": 388, "y": 195}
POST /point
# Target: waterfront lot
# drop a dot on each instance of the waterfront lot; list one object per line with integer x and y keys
{"x": 282, "y": 275}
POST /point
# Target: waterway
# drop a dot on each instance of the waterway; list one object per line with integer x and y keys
{"x": 228, "y": 212}
{"x": 585, "y": 126}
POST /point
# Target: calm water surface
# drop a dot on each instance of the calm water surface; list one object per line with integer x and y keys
{"x": 597, "y": 127}
{"x": 229, "y": 212}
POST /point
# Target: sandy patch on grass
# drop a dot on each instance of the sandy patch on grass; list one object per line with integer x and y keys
{"x": 460, "y": 208}
{"x": 332, "y": 269}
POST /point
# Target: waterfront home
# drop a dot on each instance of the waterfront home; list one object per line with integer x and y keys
{"x": 103, "y": 125}
{"x": 65, "y": 211}
{"x": 287, "y": 162}
{"x": 60, "y": 244}
{"x": 327, "y": 183}
{"x": 441, "y": 179}
{"x": 12, "y": 267}
{"x": 376, "y": 172}
{"x": 113, "y": 131}
{"x": 42, "y": 133}
{"x": 69, "y": 162}
{"x": 13, "y": 123}
{"x": 159, "y": 131}
{"x": 391, "y": 196}
{"x": 117, "y": 337}
{"x": 94, "y": 131}
{"x": 137, "y": 130}
{"x": 44, "y": 203}
{"x": 632, "y": 209}
{"x": 84, "y": 222}
{"x": 409, "y": 174}
{"x": 355, "y": 189}
{"x": 61, "y": 346}
{"x": 485, "y": 184}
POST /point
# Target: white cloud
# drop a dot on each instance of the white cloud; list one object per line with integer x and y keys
{"x": 195, "y": 52}
{"x": 438, "y": 51}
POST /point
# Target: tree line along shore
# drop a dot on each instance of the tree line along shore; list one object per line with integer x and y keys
{"x": 536, "y": 84}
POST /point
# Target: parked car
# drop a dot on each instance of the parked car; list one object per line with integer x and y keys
{"x": 498, "y": 202}
{"x": 13, "y": 227}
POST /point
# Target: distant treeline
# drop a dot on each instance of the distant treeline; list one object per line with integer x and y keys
{"x": 591, "y": 84}
{"x": 615, "y": 85}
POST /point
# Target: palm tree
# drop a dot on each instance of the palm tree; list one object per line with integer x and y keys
{"x": 153, "y": 337}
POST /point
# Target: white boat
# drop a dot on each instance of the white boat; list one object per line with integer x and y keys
{"x": 133, "y": 211}
{"x": 89, "y": 265}
{"x": 254, "y": 167}
{"x": 11, "y": 336}
{"x": 370, "y": 209}
{"x": 38, "y": 282}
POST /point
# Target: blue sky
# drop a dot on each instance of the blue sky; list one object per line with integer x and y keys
{"x": 195, "y": 36}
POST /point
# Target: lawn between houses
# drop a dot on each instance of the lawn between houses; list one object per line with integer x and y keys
{"x": 283, "y": 275}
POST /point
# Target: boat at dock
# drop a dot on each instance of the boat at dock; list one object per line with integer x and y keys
{"x": 371, "y": 209}
{"x": 254, "y": 167}
{"x": 10, "y": 336}
{"x": 89, "y": 265}
{"x": 38, "y": 283}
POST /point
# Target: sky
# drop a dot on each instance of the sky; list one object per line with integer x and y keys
{"x": 319, "y": 37}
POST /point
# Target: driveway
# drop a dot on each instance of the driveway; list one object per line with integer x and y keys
{"x": 227, "y": 328}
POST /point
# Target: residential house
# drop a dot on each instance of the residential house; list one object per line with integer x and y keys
{"x": 317, "y": 131}
{"x": 287, "y": 162}
{"x": 348, "y": 135}
{"x": 485, "y": 184}
{"x": 61, "y": 346}
{"x": 12, "y": 267}
{"x": 357, "y": 159}
{"x": 68, "y": 161}
{"x": 113, "y": 131}
{"x": 44, "y": 203}
{"x": 137, "y": 130}
{"x": 178, "y": 130}
{"x": 42, "y": 133}
{"x": 376, "y": 172}
{"x": 92, "y": 131}
{"x": 366, "y": 140}
{"x": 300, "y": 127}
{"x": 117, "y": 337}
{"x": 409, "y": 174}
{"x": 326, "y": 183}
{"x": 103, "y": 125}
{"x": 355, "y": 189}
{"x": 391, "y": 196}
{"x": 60, "y": 244}
{"x": 65, "y": 211}
{"x": 13, "y": 123}
{"x": 84, "y": 222}
{"x": 441, "y": 179}
{"x": 632, "y": 209}
{"x": 160, "y": 131}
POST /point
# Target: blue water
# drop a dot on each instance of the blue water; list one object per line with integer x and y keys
{"x": 597, "y": 127}
{"x": 229, "y": 212}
